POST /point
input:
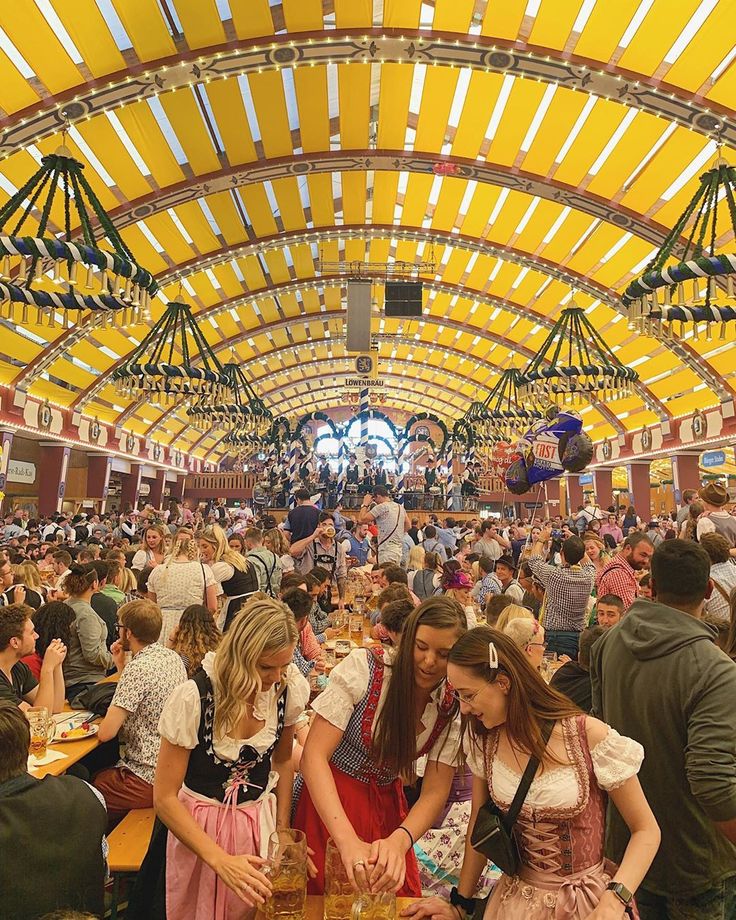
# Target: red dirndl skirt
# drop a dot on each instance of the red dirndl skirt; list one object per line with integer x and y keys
{"x": 374, "y": 811}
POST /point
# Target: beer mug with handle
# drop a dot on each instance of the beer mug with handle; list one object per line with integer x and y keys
{"x": 287, "y": 869}
{"x": 343, "y": 903}
{"x": 43, "y": 729}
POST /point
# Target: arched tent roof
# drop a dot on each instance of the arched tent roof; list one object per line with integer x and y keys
{"x": 237, "y": 142}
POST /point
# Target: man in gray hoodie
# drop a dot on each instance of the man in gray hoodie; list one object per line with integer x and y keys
{"x": 659, "y": 678}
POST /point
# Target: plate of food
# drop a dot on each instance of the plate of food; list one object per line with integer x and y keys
{"x": 331, "y": 643}
{"x": 85, "y": 730}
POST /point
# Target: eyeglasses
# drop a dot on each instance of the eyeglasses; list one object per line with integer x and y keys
{"x": 466, "y": 697}
{"x": 119, "y": 626}
{"x": 539, "y": 644}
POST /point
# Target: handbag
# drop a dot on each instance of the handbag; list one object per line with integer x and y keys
{"x": 492, "y": 833}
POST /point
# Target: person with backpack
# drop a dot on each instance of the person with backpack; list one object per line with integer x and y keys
{"x": 265, "y": 563}
{"x": 427, "y": 581}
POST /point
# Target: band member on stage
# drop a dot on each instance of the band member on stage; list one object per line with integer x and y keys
{"x": 366, "y": 483}
{"x": 353, "y": 472}
{"x": 379, "y": 477}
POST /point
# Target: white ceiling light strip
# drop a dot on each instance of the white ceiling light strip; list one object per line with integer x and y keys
{"x": 333, "y": 105}
{"x": 656, "y": 147}
{"x": 59, "y": 30}
{"x": 583, "y": 16}
{"x": 23, "y": 67}
{"x": 180, "y": 226}
{"x": 636, "y": 21}
{"x": 576, "y": 129}
{"x": 114, "y": 24}
{"x": 415, "y": 102}
{"x": 250, "y": 109}
{"x": 458, "y": 100}
{"x": 562, "y": 217}
{"x": 707, "y": 153}
{"x": 526, "y": 217}
{"x": 538, "y": 116}
{"x": 154, "y": 103}
{"x": 617, "y": 247}
{"x": 499, "y": 107}
{"x": 128, "y": 143}
{"x": 500, "y": 202}
{"x": 613, "y": 142}
{"x": 90, "y": 156}
{"x": 688, "y": 33}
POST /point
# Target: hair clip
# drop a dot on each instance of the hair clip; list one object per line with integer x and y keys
{"x": 492, "y": 657}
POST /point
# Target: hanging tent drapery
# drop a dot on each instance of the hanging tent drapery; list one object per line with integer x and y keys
{"x": 696, "y": 288}
{"x": 246, "y": 414}
{"x": 574, "y": 364}
{"x": 151, "y": 370}
{"x": 41, "y": 269}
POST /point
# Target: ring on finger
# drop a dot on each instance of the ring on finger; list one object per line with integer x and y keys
{"x": 359, "y": 862}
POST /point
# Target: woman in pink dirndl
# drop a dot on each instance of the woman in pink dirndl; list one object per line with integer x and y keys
{"x": 562, "y": 873}
{"x": 224, "y": 777}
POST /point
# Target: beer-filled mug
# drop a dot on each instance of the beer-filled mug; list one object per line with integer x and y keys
{"x": 287, "y": 869}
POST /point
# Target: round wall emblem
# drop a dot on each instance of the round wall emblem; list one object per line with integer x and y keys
{"x": 94, "y": 430}
{"x": 130, "y": 443}
{"x": 606, "y": 449}
{"x": 44, "y": 416}
{"x": 699, "y": 424}
{"x": 371, "y": 451}
{"x": 646, "y": 439}
{"x": 421, "y": 431}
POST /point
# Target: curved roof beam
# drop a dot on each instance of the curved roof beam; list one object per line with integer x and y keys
{"x": 386, "y": 337}
{"x": 645, "y": 394}
{"x": 360, "y": 46}
{"x": 393, "y": 161}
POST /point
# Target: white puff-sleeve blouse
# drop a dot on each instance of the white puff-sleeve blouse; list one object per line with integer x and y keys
{"x": 179, "y": 722}
{"x": 348, "y": 685}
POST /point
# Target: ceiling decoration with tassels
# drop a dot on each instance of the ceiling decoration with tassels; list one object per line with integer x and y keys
{"x": 71, "y": 272}
{"x": 245, "y": 415}
{"x": 161, "y": 368}
{"x": 575, "y": 365}
{"x": 697, "y": 289}
{"x": 503, "y": 413}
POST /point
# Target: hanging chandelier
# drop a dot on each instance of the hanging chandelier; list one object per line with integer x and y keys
{"x": 41, "y": 270}
{"x": 502, "y": 414}
{"x": 574, "y": 364}
{"x": 699, "y": 288}
{"x": 152, "y": 369}
{"x": 246, "y": 414}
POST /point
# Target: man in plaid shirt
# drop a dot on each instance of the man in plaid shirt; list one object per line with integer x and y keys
{"x": 567, "y": 592}
{"x": 619, "y": 576}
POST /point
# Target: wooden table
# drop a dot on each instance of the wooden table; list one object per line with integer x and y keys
{"x": 74, "y": 751}
{"x": 315, "y": 906}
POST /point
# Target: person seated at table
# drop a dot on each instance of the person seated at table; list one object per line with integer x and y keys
{"x": 359, "y": 750}
{"x": 609, "y": 609}
{"x": 308, "y": 648}
{"x": 528, "y": 635}
{"x": 51, "y": 621}
{"x": 51, "y": 833}
{"x": 394, "y": 592}
{"x": 17, "y": 683}
{"x": 224, "y": 776}
{"x": 143, "y": 687}
{"x": 393, "y": 619}
{"x": 495, "y": 605}
{"x": 318, "y": 584}
{"x": 104, "y": 604}
{"x": 89, "y": 659}
{"x": 195, "y": 635}
{"x": 573, "y": 678}
{"x": 27, "y": 576}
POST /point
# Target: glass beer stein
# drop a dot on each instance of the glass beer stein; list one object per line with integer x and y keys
{"x": 42, "y": 730}
{"x": 343, "y": 903}
{"x": 287, "y": 869}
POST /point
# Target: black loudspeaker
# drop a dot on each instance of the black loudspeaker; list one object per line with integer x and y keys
{"x": 359, "y": 316}
{"x": 403, "y": 298}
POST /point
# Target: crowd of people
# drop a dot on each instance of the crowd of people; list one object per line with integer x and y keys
{"x": 539, "y": 728}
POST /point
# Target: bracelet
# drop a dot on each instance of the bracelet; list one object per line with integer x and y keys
{"x": 407, "y": 832}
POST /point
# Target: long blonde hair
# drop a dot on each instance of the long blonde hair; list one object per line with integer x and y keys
{"x": 275, "y": 540}
{"x": 184, "y": 545}
{"x": 416, "y": 559}
{"x": 217, "y": 538}
{"x": 262, "y": 627}
{"x": 28, "y": 574}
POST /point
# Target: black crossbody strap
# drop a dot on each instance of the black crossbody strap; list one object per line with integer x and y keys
{"x": 526, "y": 781}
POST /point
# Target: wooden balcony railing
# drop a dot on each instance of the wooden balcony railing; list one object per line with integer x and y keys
{"x": 223, "y": 484}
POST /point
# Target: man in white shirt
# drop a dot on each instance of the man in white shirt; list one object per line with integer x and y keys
{"x": 144, "y": 686}
{"x": 390, "y": 518}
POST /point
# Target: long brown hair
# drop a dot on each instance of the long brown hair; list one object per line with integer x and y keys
{"x": 395, "y": 741}
{"x": 195, "y": 635}
{"x": 530, "y": 700}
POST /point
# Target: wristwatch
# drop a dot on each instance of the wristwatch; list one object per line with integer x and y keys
{"x": 621, "y": 892}
{"x": 465, "y": 904}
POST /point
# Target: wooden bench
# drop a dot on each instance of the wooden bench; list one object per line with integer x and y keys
{"x": 128, "y": 847}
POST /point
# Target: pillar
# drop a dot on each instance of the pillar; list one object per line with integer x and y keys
{"x": 131, "y": 483}
{"x": 156, "y": 495}
{"x": 603, "y": 485}
{"x": 552, "y": 498}
{"x": 52, "y": 467}
{"x": 685, "y": 473}
{"x": 99, "y": 467}
{"x": 639, "y": 488}
{"x": 6, "y": 439}
{"x": 574, "y": 493}
{"x": 176, "y": 488}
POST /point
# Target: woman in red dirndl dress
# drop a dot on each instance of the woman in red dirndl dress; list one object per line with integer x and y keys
{"x": 345, "y": 792}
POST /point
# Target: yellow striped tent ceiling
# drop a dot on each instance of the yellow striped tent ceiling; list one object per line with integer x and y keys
{"x": 237, "y": 142}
